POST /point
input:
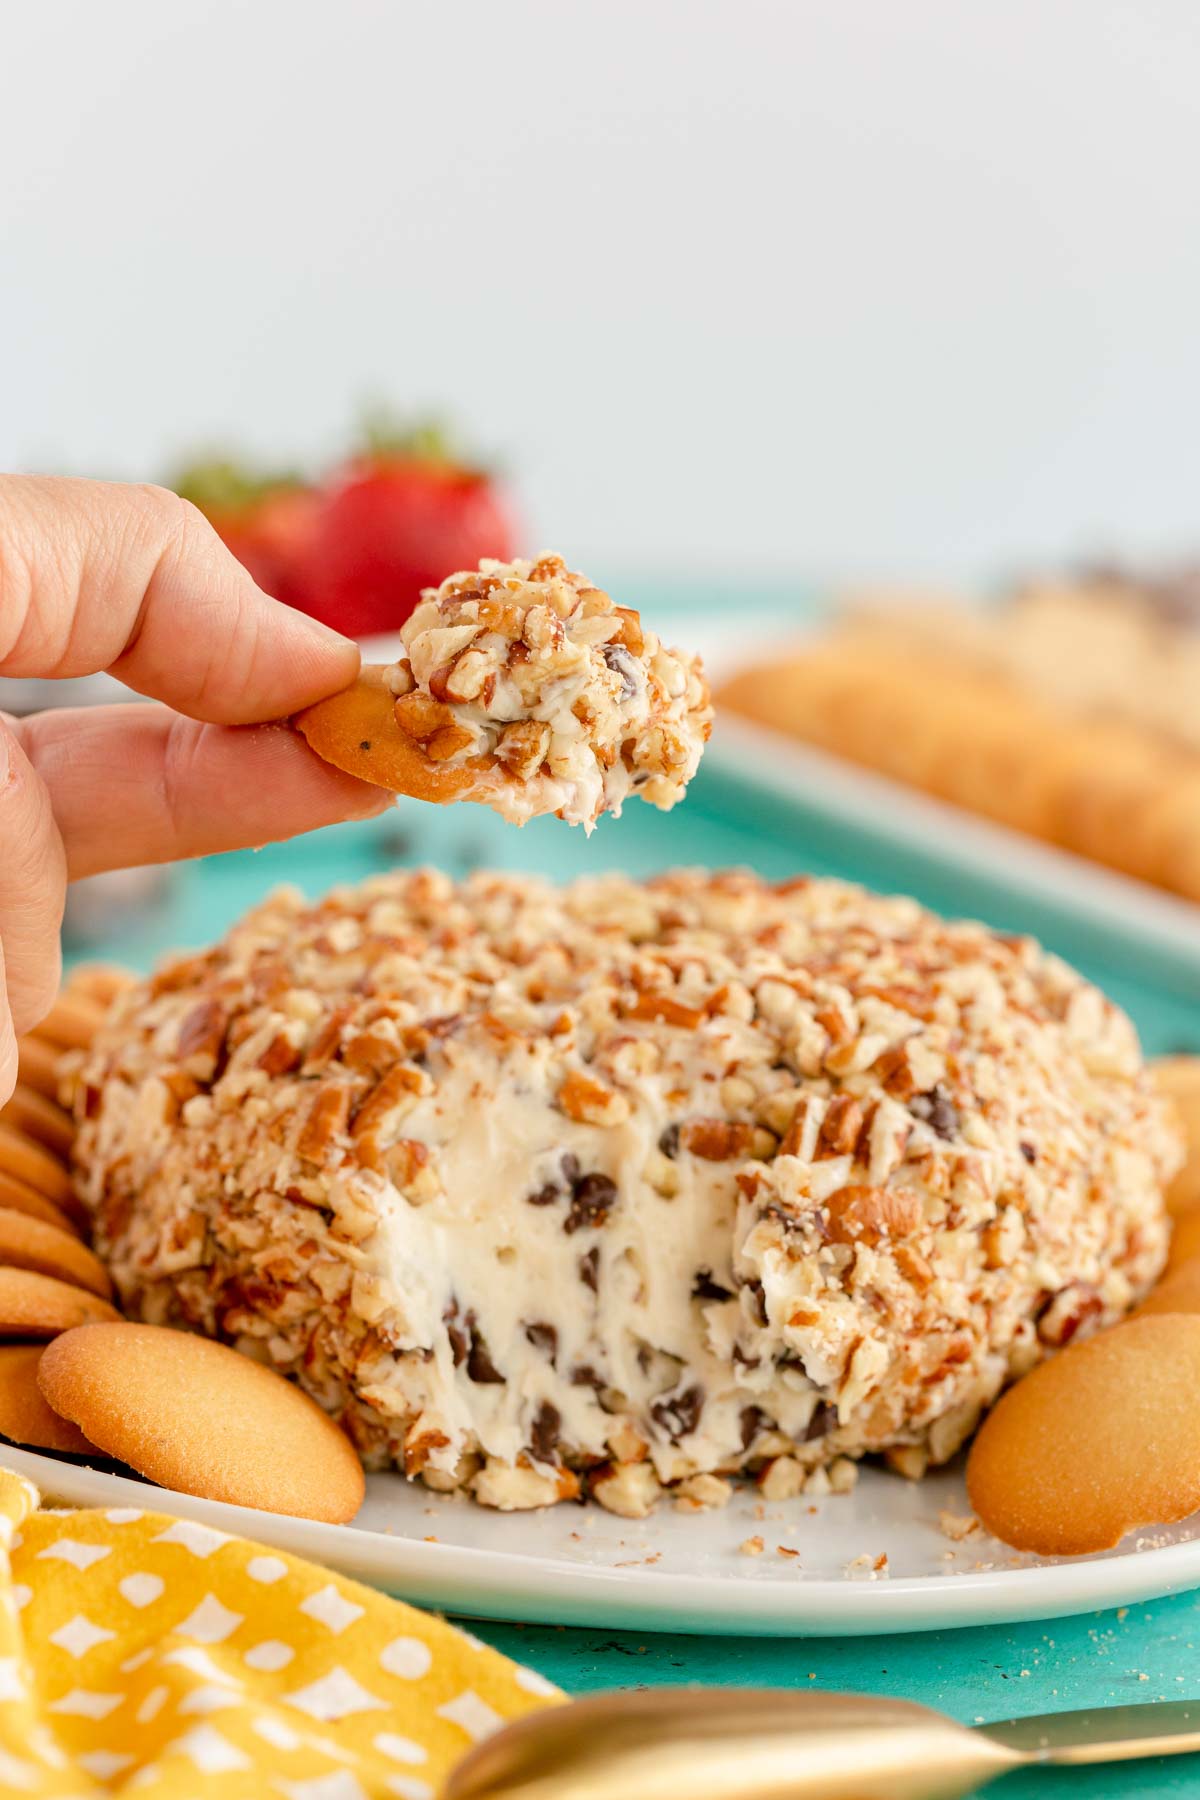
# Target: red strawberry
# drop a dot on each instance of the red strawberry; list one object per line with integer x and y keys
{"x": 264, "y": 520}
{"x": 400, "y": 518}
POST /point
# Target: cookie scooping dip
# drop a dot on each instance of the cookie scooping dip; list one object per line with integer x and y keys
{"x": 527, "y": 689}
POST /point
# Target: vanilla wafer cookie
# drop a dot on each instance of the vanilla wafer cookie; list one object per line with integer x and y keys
{"x": 198, "y": 1417}
{"x": 99, "y": 982}
{"x": 30, "y": 1243}
{"x": 31, "y": 1115}
{"x": 1185, "y": 1239}
{"x": 1177, "y": 1292}
{"x": 1179, "y": 1078}
{"x": 1100, "y": 1441}
{"x": 37, "y": 1065}
{"x": 25, "y": 1415}
{"x": 18, "y": 1196}
{"x": 72, "y": 1021}
{"x": 32, "y": 1163}
{"x": 40, "y": 1306}
{"x": 24, "y": 1160}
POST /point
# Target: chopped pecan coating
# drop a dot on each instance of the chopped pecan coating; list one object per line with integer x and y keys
{"x": 626, "y": 1186}
{"x": 573, "y": 699}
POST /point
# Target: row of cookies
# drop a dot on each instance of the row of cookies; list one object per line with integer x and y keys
{"x": 77, "y": 1379}
{"x": 926, "y": 710}
{"x": 1063, "y": 1464}
{"x": 49, "y": 1279}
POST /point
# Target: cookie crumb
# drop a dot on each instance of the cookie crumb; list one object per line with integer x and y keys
{"x": 751, "y": 1546}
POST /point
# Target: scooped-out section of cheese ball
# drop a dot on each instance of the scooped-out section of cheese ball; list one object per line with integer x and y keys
{"x": 619, "y": 1187}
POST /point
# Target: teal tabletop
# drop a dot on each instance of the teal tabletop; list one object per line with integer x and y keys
{"x": 1136, "y": 1654}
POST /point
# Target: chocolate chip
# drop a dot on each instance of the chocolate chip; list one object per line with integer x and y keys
{"x": 1028, "y": 1152}
{"x": 759, "y": 1308}
{"x": 543, "y": 1337}
{"x": 592, "y": 1198}
{"x": 705, "y": 1288}
{"x": 459, "y": 1344}
{"x": 668, "y": 1141}
{"x": 679, "y": 1414}
{"x": 937, "y": 1110}
{"x": 622, "y": 664}
{"x": 480, "y": 1366}
{"x": 557, "y": 1190}
{"x": 823, "y": 1420}
{"x": 589, "y": 1269}
{"x": 945, "y": 1117}
{"x": 545, "y": 1196}
{"x": 753, "y": 1419}
{"x": 543, "y": 1439}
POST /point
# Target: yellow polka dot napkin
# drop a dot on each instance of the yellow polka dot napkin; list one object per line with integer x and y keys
{"x": 150, "y": 1656}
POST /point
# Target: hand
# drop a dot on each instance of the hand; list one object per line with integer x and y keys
{"x": 133, "y": 580}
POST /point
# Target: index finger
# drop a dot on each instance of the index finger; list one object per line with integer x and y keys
{"x": 102, "y": 575}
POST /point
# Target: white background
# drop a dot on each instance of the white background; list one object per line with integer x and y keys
{"x": 888, "y": 287}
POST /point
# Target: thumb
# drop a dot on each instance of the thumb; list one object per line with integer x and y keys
{"x": 100, "y": 575}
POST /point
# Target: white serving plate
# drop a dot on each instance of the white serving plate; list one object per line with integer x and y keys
{"x": 577, "y": 1565}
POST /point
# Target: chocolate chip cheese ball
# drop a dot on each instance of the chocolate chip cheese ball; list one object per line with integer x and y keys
{"x": 576, "y": 702}
{"x": 622, "y": 1186}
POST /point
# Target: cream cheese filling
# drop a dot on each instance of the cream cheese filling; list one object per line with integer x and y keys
{"x": 503, "y": 1303}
